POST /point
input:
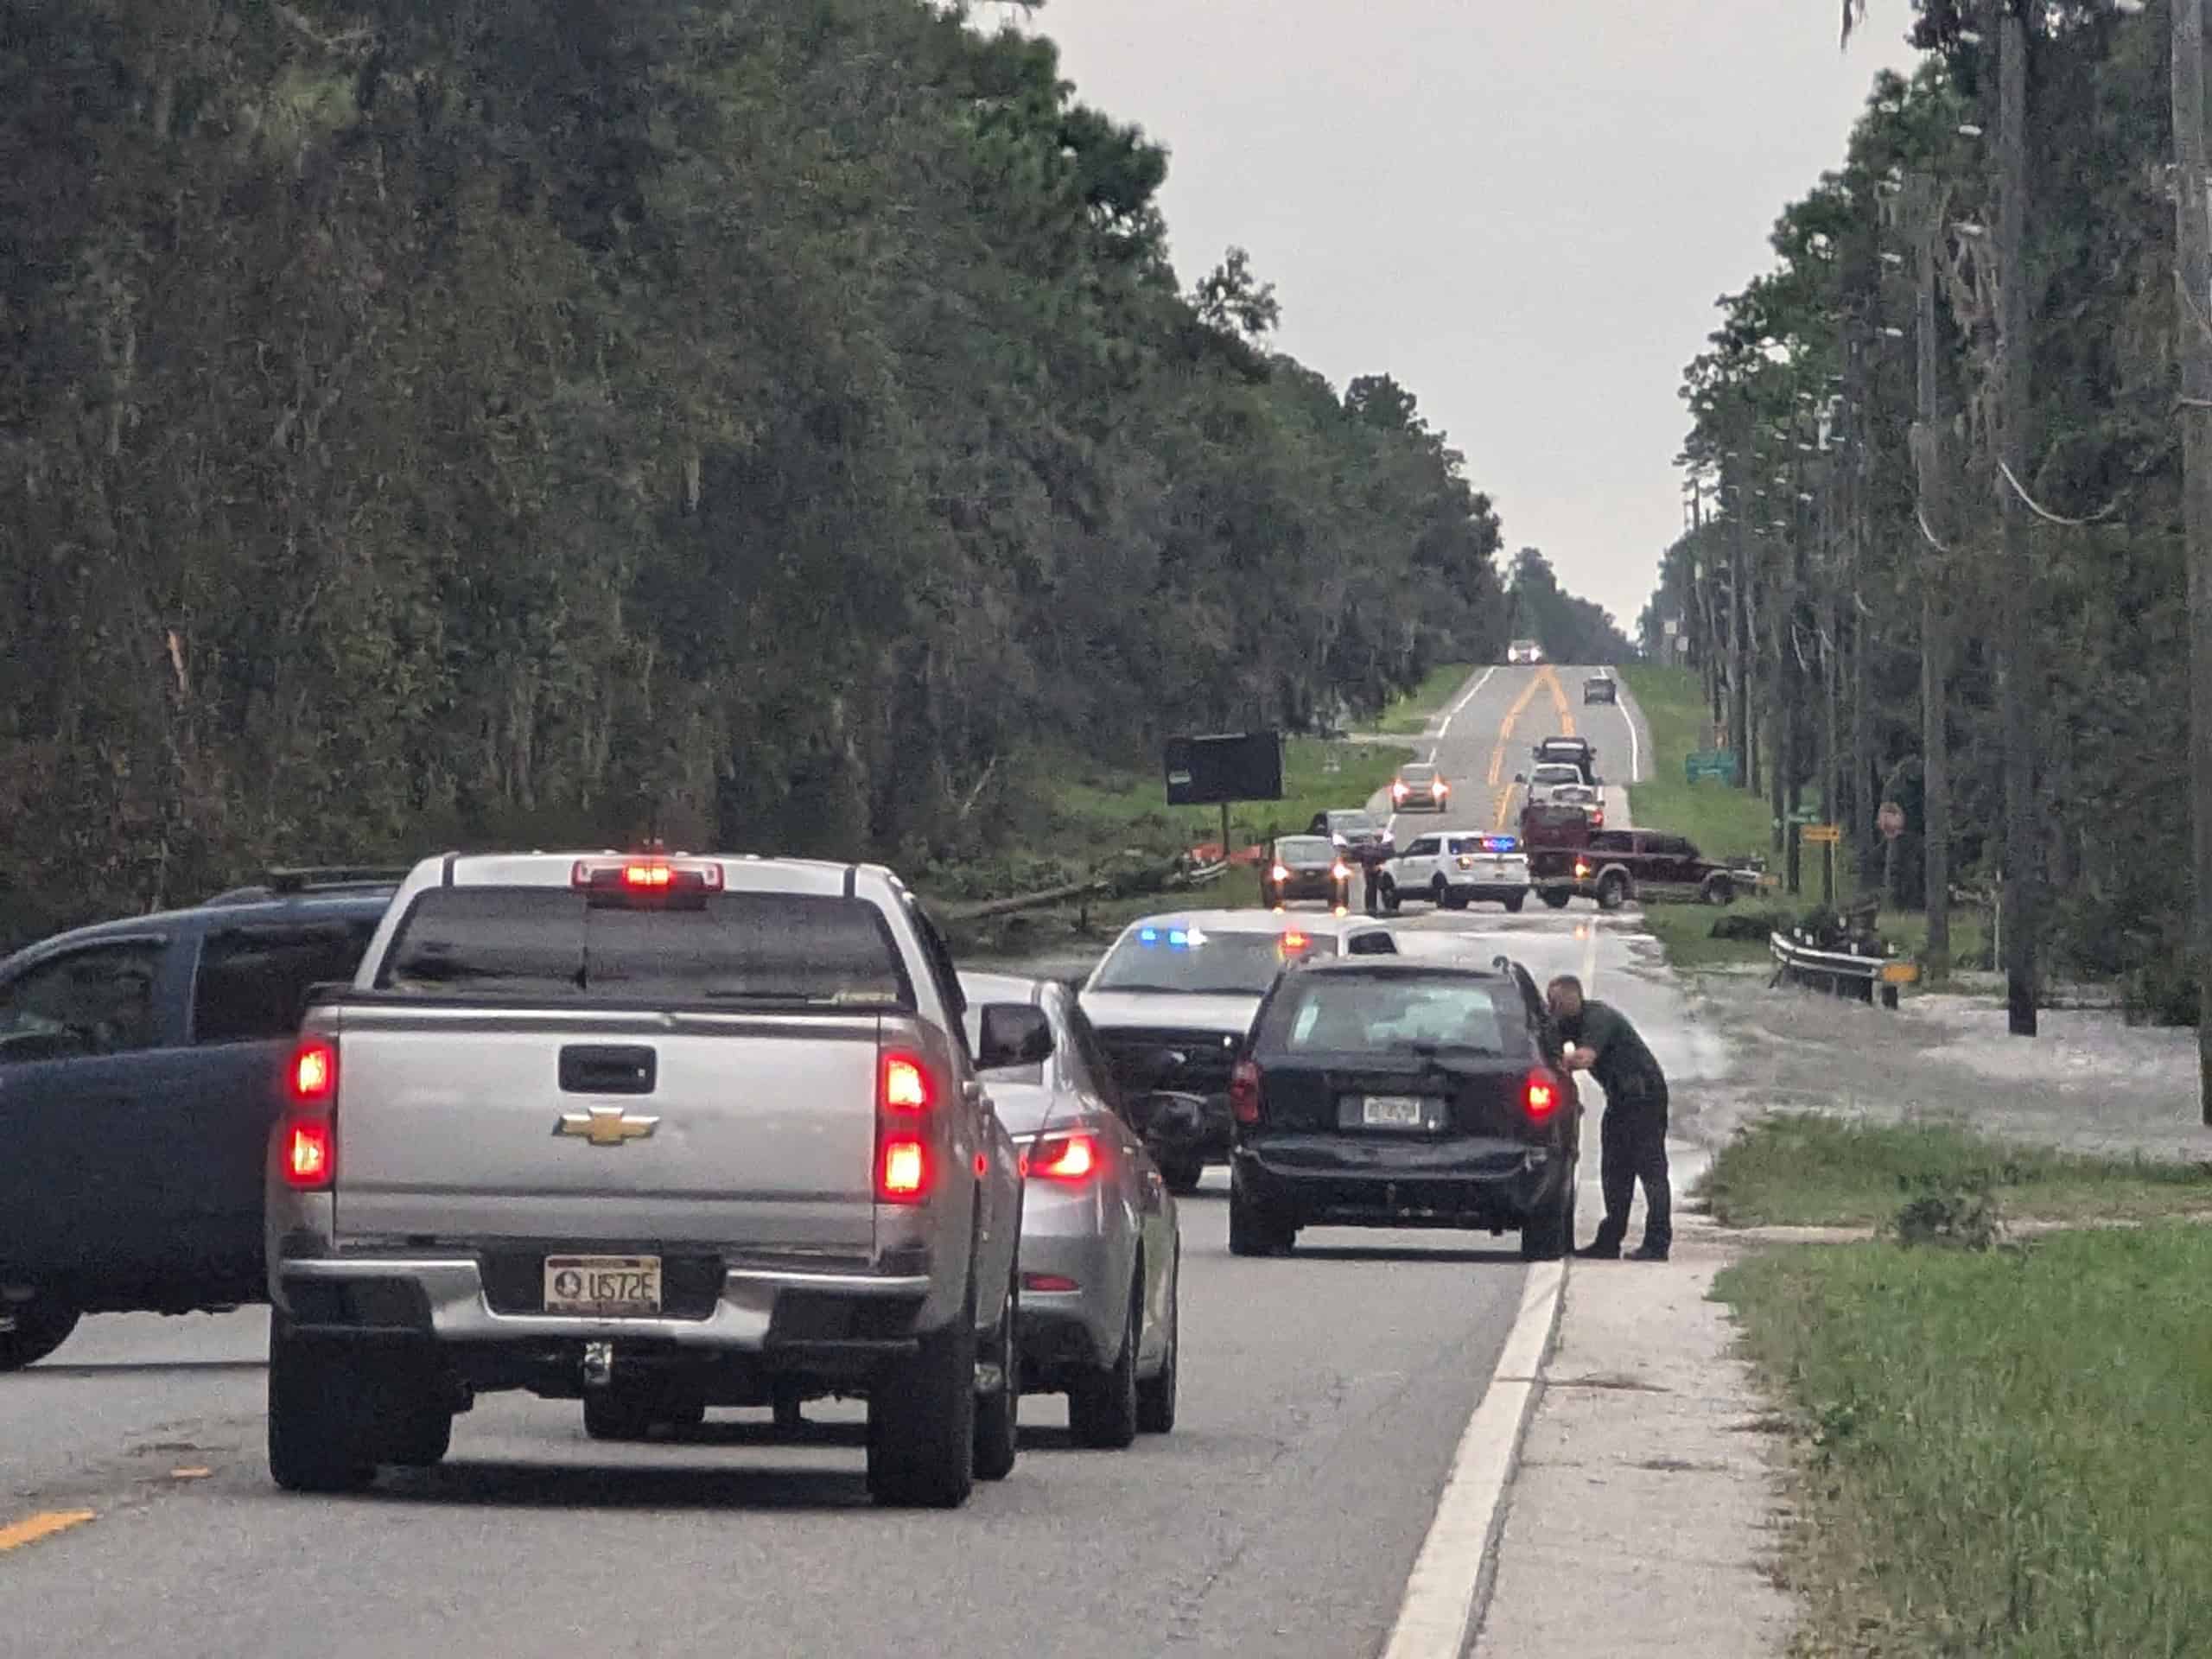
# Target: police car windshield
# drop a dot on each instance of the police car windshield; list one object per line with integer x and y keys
{"x": 1197, "y": 961}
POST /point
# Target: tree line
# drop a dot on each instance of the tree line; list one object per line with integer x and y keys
{"x": 777, "y": 425}
{"x": 1848, "y": 577}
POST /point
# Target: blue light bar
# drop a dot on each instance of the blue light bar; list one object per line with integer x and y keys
{"x": 1500, "y": 843}
{"x": 1149, "y": 936}
{"x": 1179, "y": 936}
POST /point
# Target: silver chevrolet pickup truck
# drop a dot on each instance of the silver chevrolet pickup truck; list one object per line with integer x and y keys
{"x": 654, "y": 1132}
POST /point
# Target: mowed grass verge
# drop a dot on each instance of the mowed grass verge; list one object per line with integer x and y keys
{"x": 1804, "y": 1170}
{"x": 1724, "y": 820}
{"x": 2002, "y": 1454}
{"x": 1408, "y": 715}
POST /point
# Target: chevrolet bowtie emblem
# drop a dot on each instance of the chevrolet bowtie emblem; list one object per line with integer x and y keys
{"x": 606, "y": 1126}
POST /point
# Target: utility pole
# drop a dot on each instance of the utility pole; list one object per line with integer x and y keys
{"x": 1926, "y": 220}
{"x": 2193, "y": 298}
{"x": 1789, "y": 687}
{"x": 1862, "y": 763}
{"x": 2017, "y": 576}
{"x": 1740, "y": 686}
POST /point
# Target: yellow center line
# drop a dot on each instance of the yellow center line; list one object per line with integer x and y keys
{"x": 32, "y": 1527}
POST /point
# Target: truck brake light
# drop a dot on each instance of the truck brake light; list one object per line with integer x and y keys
{"x": 313, "y": 1077}
{"x": 646, "y": 876}
{"x": 905, "y": 1166}
{"x": 307, "y": 1155}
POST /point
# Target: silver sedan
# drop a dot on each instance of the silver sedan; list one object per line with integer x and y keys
{"x": 1101, "y": 1254}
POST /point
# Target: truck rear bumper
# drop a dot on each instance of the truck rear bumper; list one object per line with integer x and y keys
{"x": 755, "y": 1310}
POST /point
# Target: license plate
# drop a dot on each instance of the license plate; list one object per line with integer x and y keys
{"x": 602, "y": 1285}
{"x": 1391, "y": 1111}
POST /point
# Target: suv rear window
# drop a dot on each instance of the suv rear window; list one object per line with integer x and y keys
{"x": 763, "y": 948}
{"x": 1363, "y": 1014}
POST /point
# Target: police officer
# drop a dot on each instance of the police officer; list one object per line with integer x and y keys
{"x": 1633, "y": 1138}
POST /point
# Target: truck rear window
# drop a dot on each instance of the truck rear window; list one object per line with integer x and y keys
{"x": 763, "y": 948}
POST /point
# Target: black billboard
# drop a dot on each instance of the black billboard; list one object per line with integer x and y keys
{"x": 1230, "y": 766}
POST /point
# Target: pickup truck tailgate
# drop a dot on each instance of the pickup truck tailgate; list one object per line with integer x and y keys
{"x": 737, "y": 1128}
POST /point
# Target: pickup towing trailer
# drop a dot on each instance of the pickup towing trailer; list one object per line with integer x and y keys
{"x": 654, "y": 1132}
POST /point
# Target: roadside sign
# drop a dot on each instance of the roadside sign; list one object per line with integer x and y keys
{"x": 1823, "y": 834}
{"x": 1710, "y": 763}
{"x": 1889, "y": 820}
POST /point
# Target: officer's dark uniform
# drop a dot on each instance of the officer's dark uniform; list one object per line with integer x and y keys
{"x": 1632, "y": 1141}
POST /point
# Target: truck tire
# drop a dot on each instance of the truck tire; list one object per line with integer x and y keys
{"x": 1549, "y": 1234}
{"x": 921, "y": 1421}
{"x": 424, "y": 1436}
{"x": 321, "y": 1413}
{"x": 1156, "y": 1394}
{"x": 1612, "y": 890}
{"x": 1183, "y": 1172}
{"x": 34, "y": 1330}
{"x": 1718, "y": 890}
{"x": 1516, "y": 901}
{"x": 1103, "y": 1403}
{"x": 1554, "y": 898}
{"x": 998, "y": 1413}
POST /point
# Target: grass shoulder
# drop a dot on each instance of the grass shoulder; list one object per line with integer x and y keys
{"x": 1998, "y": 1451}
{"x": 1724, "y": 822}
{"x": 1409, "y": 715}
{"x": 1805, "y": 1170}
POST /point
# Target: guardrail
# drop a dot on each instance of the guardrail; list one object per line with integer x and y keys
{"x": 1841, "y": 973}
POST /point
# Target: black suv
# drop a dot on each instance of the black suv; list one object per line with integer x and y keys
{"x": 1403, "y": 1092}
{"x": 139, "y": 1069}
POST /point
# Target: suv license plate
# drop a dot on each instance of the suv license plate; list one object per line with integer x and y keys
{"x": 1391, "y": 1111}
{"x": 602, "y": 1285}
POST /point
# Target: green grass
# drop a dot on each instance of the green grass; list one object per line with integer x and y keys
{"x": 1809, "y": 1171}
{"x": 1409, "y": 714}
{"x": 2002, "y": 1453}
{"x": 1686, "y": 931}
{"x": 1724, "y": 820}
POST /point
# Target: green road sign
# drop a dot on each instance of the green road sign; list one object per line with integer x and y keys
{"x": 1710, "y": 763}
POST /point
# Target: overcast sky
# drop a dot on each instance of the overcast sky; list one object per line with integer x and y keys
{"x": 1523, "y": 209}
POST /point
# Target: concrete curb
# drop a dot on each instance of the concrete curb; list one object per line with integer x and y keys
{"x": 1444, "y": 1596}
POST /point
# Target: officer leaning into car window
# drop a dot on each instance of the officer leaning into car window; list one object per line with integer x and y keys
{"x": 1632, "y": 1141}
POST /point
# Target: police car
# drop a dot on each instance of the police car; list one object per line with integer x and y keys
{"x": 1452, "y": 870}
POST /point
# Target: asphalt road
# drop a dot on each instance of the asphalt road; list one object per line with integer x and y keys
{"x": 1323, "y": 1395}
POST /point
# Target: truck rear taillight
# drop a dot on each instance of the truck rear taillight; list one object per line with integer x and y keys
{"x": 1244, "y": 1091}
{"x": 1539, "y": 1097}
{"x": 314, "y": 1076}
{"x": 905, "y": 1166}
{"x": 308, "y": 1149}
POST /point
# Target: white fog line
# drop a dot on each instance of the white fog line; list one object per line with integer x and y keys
{"x": 1481, "y": 680}
{"x": 1437, "y": 1617}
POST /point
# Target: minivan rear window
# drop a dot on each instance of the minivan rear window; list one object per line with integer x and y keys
{"x": 760, "y": 949}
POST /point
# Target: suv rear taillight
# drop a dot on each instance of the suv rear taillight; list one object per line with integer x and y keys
{"x": 1539, "y": 1097}
{"x": 906, "y": 1093}
{"x": 308, "y": 1155}
{"x": 1244, "y": 1092}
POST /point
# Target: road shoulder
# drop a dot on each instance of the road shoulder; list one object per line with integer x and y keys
{"x": 1641, "y": 1520}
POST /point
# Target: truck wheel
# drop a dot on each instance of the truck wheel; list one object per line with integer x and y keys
{"x": 424, "y": 1437}
{"x": 609, "y": 1415}
{"x": 1516, "y": 901}
{"x": 1156, "y": 1394}
{"x": 1102, "y": 1404}
{"x": 1719, "y": 890}
{"x": 1612, "y": 891}
{"x": 998, "y": 1413}
{"x": 1554, "y": 898}
{"x": 921, "y": 1421}
{"x": 1549, "y": 1235}
{"x": 320, "y": 1414}
{"x": 30, "y": 1330}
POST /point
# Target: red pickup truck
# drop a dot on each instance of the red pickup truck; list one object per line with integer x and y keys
{"x": 1567, "y": 860}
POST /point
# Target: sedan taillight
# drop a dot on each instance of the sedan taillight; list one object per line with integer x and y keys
{"x": 1071, "y": 1159}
